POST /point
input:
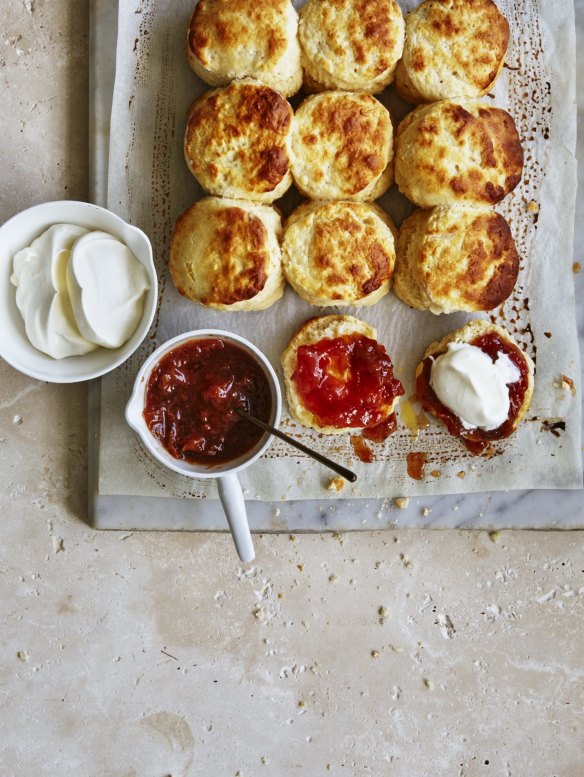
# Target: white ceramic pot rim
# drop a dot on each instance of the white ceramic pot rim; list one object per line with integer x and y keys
{"x": 135, "y": 407}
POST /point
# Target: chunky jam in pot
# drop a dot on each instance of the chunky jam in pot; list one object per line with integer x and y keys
{"x": 192, "y": 395}
{"x": 347, "y": 381}
{"x": 478, "y": 440}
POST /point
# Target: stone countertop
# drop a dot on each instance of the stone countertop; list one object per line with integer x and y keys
{"x": 152, "y": 654}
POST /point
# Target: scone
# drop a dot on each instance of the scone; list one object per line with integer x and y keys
{"x": 225, "y": 254}
{"x": 342, "y": 147}
{"x": 230, "y": 39}
{"x": 339, "y": 253}
{"x": 350, "y": 44}
{"x": 450, "y": 259}
{"x": 450, "y": 153}
{"x": 237, "y": 142}
{"x": 453, "y": 48}
{"x": 338, "y": 377}
{"x": 478, "y": 382}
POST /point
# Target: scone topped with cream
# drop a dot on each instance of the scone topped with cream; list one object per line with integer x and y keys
{"x": 342, "y": 147}
{"x": 231, "y": 39}
{"x": 350, "y": 44}
{"x": 478, "y": 382}
{"x": 453, "y": 48}
{"x": 225, "y": 254}
{"x": 339, "y": 378}
{"x": 237, "y": 142}
{"x": 339, "y": 253}
{"x": 463, "y": 152}
{"x": 451, "y": 259}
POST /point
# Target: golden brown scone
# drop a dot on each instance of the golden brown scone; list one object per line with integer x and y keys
{"x": 342, "y": 147}
{"x": 453, "y": 48}
{"x": 493, "y": 340}
{"x": 350, "y": 44}
{"x": 230, "y": 39}
{"x": 339, "y": 253}
{"x": 339, "y": 376}
{"x": 450, "y": 259}
{"x": 225, "y": 254}
{"x": 450, "y": 153}
{"x": 237, "y": 142}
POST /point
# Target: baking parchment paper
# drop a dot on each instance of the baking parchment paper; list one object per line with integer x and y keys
{"x": 149, "y": 185}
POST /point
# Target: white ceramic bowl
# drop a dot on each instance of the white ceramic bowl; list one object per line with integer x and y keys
{"x": 15, "y": 347}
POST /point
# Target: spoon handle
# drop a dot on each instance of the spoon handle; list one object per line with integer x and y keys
{"x": 338, "y": 468}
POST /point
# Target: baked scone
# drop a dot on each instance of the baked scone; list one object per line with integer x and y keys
{"x": 459, "y": 258}
{"x": 478, "y": 382}
{"x": 339, "y": 253}
{"x": 237, "y": 142}
{"x": 230, "y": 39}
{"x": 338, "y": 377}
{"x": 450, "y": 153}
{"x": 350, "y": 44}
{"x": 225, "y": 254}
{"x": 453, "y": 48}
{"x": 342, "y": 147}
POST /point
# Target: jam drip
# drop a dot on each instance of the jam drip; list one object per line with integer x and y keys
{"x": 347, "y": 381}
{"x": 478, "y": 440}
{"x": 192, "y": 396}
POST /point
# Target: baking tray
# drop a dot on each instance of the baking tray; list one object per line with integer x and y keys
{"x": 486, "y": 510}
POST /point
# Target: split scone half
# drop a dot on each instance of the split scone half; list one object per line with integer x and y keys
{"x": 453, "y": 48}
{"x": 228, "y": 40}
{"x": 478, "y": 382}
{"x": 237, "y": 142}
{"x": 453, "y": 259}
{"x": 339, "y": 253}
{"x": 338, "y": 377}
{"x": 456, "y": 153}
{"x": 352, "y": 45}
{"x": 342, "y": 147}
{"x": 225, "y": 254}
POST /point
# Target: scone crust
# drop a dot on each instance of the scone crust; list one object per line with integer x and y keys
{"x": 450, "y": 153}
{"x": 455, "y": 259}
{"x": 237, "y": 142}
{"x": 225, "y": 254}
{"x": 313, "y": 331}
{"x": 350, "y": 44}
{"x": 339, "y": 253}
{"x": 470, "y": 332}
{"x": 453, "y": 48}
{"x": 234, "y": 39}
{"x": 342, "y": 146}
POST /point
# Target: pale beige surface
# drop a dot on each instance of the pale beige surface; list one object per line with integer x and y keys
{"x": 479, "y": 657}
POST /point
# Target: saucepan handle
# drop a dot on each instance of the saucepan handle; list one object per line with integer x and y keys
{"x": 234, "y": 505}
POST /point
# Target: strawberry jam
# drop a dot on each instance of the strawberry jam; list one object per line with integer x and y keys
{"x": 192, "y": 396}
{"x": 347, "y": 381}
{"x": 478, "y": 440}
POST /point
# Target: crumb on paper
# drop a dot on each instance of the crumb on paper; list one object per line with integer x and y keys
{"x": 405, "y": 561}
{"x": 336, "y": 484}
{"x": 383, "y": 613}
{"x": 58, "y": 545}
{"x": 292, "y": 537}
{"x": 375, "y": 654}
{"x": 426, "y": 512}
{"x": 436, "y": 473}
{"x": 568, "y": 383}
{"x": 461, "y": 474}
{"x": 428, "y": 683}
{"x": 402, "y": 502}
{"x": 333, "y": 578}
{"x": 276, "y": 512}
{"x": 533, "y": 206}
{"x": 576, "y": 267}
{"x": 23, "y": 655}
{"x": 494, "y": 536}
{"x": 340, "y": 537}
{"x": 17, "y": 420}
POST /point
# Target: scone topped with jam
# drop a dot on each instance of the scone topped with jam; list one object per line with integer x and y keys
{"x": 225, "y": 254}
{"x": 342, "y": 147}
{"x": 339, "y": 378}
{"x": 350, "y": 44}
{"x": 453, "y": 48}
{"x": 237, "y": 142}
{"x": 478, "y": 382}
{"x": 231, "y": 39}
